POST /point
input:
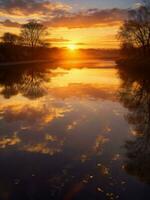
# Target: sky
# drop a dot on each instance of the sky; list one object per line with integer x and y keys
{"x": 82, "y": 23}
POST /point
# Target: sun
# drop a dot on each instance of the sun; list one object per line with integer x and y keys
{"x": 72, "y": 47}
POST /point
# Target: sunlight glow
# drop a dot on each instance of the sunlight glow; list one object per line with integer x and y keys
{"x": 72, "y": 47}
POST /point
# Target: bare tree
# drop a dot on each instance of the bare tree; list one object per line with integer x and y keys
{"x": 33, "y": 33}
{"x": 136, "y": 30}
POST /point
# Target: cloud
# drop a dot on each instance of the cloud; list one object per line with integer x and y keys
{"x": 89, "y": 18}
{"x": 57, "y": 40}
{"x": 26, "y": 7}
{"x": 58, "y": 14}
{"x": 137, "y": 5}
{"x": 9, "y": 23}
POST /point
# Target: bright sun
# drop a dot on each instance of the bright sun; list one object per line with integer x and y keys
{"x": 72, "y": 47}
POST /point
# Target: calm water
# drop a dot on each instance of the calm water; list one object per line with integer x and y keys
{"x": 78, "y": 134}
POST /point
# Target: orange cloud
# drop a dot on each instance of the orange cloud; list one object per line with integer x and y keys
{"x": 89, "y": 18}
{"x": 9, "y": 23}
{"x": 58, "y": 14}
{"x": 57, "y": 40}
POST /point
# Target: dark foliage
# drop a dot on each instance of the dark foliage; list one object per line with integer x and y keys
{"x": 135, "y": 96}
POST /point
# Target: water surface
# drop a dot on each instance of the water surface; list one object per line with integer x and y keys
{"x": 73, "y": 134}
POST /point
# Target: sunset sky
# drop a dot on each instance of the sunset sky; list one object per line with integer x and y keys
{"x": 85, "y": 23}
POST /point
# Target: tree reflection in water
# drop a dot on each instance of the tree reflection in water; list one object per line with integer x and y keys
{"x": 135, "y": 96}
{"x": 28, "y": 81}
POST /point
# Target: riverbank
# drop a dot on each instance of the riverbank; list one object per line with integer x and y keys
{"x": 134, "y": 63}
{"x": 24, "y": 62}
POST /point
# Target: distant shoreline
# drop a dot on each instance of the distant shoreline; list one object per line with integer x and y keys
{"x": 24, "y": 62}
{"x": 89, "y": 65}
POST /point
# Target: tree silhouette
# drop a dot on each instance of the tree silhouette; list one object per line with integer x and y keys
{"x": 10, "y": 39}
{"x": 136, "y": 30}
{"x": 33, "y": 34}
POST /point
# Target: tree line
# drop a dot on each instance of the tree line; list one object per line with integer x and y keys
{"x": 32, "y": 34}
{"x": 28, "y": 45}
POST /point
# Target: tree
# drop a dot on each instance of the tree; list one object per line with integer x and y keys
{"x": 10, "y": 38}
{"x": 33, "y": 34}
{"x": 137, "y": 28}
